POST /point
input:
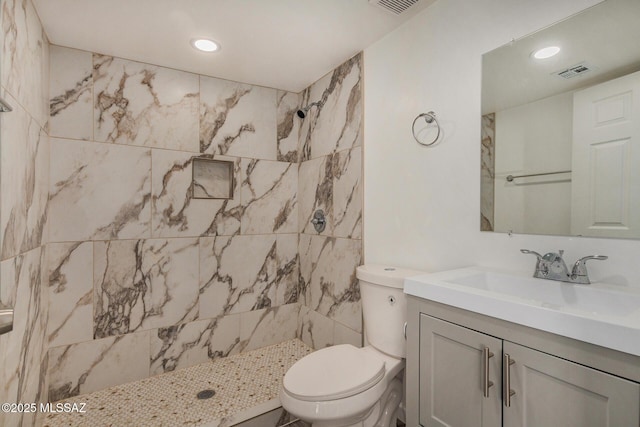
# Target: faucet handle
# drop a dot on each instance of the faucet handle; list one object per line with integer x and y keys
{"x": 542, "y": 268}
{"x": 580, "y": 267}
{"x": 527, "y": 251}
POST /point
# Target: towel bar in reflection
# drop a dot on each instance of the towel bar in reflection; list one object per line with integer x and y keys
{"x": 510, "y": 178}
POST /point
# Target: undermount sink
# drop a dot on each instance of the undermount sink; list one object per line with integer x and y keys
{"x": 600, "y": 314}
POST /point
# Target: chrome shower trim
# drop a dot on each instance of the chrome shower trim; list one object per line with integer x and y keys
{"x": 302, "y": 112}
{"x": 4, "y": 106}
{"x": 6, "y": 320}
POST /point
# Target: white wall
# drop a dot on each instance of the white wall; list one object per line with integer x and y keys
{"x": 534, "y": 138}
{"x": 422, "y": 205}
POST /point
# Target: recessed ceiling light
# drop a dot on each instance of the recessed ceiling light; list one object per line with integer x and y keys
{"x": 205, "y": 45}
{"x": 546, "y": 52}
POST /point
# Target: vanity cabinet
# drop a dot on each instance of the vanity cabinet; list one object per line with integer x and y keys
{"x": 461, "y": 364}
{"x": 550, "y": 391}
{"x": 455, "y": 364}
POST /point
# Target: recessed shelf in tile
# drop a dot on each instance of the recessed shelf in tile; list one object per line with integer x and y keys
{"x": 212, "y": 179}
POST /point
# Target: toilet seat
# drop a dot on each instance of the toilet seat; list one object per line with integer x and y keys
{"x": 333, "y": 373}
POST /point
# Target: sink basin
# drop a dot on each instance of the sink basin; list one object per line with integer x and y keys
{"x": 600, "y": 314}
{"x": 552, "y": 294}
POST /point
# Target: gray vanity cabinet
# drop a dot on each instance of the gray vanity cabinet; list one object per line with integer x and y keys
{"x": 550, "y": 391}
{"x": 462, "y": 373}
{"x": 452, "y": 376}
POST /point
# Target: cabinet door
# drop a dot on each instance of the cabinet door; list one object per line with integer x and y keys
{"x": 452, "y": 376}
{"x": 550, "y": 391}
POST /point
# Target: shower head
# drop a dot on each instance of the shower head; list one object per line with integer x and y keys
{"x": 302, "y": 113}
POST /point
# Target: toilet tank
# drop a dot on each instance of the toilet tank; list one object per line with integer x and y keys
{"x": 384, "y": 306}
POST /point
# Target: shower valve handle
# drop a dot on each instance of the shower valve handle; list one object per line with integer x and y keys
{"x": 319, "y": 222}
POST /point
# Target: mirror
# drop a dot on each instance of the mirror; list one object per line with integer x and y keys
{"x": 561, "y": 135}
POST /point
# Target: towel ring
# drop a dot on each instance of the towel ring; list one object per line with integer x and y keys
{"x": 429, "y": 117}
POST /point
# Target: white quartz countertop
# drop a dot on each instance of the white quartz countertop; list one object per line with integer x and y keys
{"x": 601, "y": 314}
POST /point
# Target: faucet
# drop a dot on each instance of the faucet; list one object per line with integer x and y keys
{"x": 551, "y": 266}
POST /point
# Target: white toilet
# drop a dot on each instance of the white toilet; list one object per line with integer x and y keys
{"x": 346, "y": 386}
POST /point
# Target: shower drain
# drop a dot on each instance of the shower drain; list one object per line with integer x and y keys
{"x": 206, "y": 394}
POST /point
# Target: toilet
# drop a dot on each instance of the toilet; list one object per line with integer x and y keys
{"x": 347, "y": 386}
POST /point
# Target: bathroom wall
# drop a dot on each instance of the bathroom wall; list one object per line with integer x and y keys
{"x": 331, "y": 180}
{"x": 24, "y": 154}
{"x": 422, "y": 204}
{"x": 143, "y": 278}
{"x": 522, "y": 146}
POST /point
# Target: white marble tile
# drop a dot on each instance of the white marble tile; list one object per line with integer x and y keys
{"x": 196, "y": 342}
{"x": 23, "y": 350}
{"x": 176, "y": 213}
{"x": 94, "y": 365}
{"x": 144, "y": 284}
{"x": 333, "y": 290}
{"x": 344, "y": 335}
{"x": 237, "y": 274}
{"x": 237, "y": 119}
{"x": 70, "y": 293}
{"x": 286, "y": 290}
{"x": 288, "y": 125}
{"x": 24, "y": 167}
{"x": 260, "y": 328}
{"x": 25, "y": 58}
{"x": 315, "y": 191}
{"x": 71, "y": 88}
{"x": 347, "y": 194}
{"x": 269, "y": 197}
{"x": 305, "y": 265}
{"x": 98, "y": 191}
{"x": 142, "y": 104}
{"x": 315, "y": 330}
{"x": 336, "y": 124}
{"x": 487, "y": 172}
{"x": 304, "y": 130}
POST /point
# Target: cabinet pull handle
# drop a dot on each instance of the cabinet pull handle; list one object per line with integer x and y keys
{"x": 486, "y": 355}
{"x": 506, "y": 378}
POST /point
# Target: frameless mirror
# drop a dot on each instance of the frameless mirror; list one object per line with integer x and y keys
{"x": 561, "y": 134}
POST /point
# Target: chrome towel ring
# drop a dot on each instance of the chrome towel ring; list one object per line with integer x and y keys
{"x": 429, "y": 117}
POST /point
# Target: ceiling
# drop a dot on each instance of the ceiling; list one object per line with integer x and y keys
{"x": 604, "y": 36}
{"x": 283, "y": 44}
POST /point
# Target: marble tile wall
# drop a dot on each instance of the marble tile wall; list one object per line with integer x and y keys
{"x": 330, "y": 178}
{"x": 488, "y": 172}
{"x": 113, "y": 264}
{"x": 141, "y": 273}
{"x": 24, "y": 153}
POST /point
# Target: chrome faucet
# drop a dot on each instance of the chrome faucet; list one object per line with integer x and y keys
{"x": 551, "y": 266}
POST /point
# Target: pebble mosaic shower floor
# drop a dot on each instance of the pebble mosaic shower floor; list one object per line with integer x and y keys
{"x": 245, "y": 385}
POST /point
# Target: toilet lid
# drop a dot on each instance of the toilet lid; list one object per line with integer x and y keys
{"x": 333, "y": 373}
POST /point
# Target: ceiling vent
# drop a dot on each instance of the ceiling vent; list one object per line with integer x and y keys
{"x": 394, "y": 6}
{"x": 575, "y": 71}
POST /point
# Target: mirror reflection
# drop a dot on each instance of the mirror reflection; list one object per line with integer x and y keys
{"x": 561, "y": 128}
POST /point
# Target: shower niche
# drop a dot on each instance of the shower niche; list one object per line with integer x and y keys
{"x": 212, "y": 179}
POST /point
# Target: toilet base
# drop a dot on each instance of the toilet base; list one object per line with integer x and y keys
{"x": 383, "y": 414}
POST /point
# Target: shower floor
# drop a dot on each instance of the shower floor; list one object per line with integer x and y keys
{"x": 246, "y": 385}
